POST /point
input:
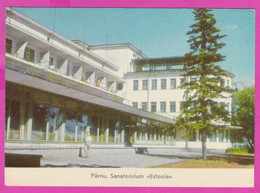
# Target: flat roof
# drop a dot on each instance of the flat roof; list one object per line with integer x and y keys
{"x": 159, "y": 60}
{"x": 119, "y": 45}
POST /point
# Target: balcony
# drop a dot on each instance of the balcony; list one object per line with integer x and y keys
{"x": 25, "y": 69}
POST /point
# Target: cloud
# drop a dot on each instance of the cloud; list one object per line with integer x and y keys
{"x": 232, "y": 27}
{"x": 242, "y": 83}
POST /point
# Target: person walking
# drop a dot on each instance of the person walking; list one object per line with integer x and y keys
{"x": 87, "y": 143}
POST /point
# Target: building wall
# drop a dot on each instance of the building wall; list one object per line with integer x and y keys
{"x": 121, "y": 55}
{"x": 166, "y": 94}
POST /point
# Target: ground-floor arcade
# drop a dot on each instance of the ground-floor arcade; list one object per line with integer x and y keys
{"x": 219, "y": 138}
{"x": 34, "y": 115}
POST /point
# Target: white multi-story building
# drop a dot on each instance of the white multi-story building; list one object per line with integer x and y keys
{"x": 56, "y": 89}
{"x": 154, "y": 85}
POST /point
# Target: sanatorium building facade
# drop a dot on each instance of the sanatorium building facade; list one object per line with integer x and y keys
{"x": 57, "y": 89}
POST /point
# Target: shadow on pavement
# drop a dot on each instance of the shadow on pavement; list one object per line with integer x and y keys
{"x": 78, "y": 166}
{"x": 174, "y": 156}
{"x": 240, "y": 159}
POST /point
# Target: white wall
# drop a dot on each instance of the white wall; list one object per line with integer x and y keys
{"x": 120, "y": 56}
{"x": 168, "y": 95}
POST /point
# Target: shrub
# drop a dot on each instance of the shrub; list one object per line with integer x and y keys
{"x": 237, "y": 150}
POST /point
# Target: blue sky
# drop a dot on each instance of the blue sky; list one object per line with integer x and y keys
{"x": 157, "y": 32}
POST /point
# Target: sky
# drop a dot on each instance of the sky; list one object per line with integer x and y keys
{"x": 157, "y": 32}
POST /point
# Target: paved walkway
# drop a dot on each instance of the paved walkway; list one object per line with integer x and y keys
{"x": 108, "y": 157}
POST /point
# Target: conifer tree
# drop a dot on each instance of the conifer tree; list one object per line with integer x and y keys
{"x": 203, "y": 77}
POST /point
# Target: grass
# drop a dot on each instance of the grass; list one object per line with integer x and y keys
{"x": 221, "y": 161}
{"x": 237, "y": 150}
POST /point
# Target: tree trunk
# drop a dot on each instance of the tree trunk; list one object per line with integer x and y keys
{"x": 186, "y": 140}
{"x": 203, "y": 142}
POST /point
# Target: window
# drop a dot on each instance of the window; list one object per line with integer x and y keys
{"x": 221, "y": 135}
{"x": 163, "y": 84}
{"x": 163, "y": 107}
{"x": 192, "y": 135}
{"x": 192, "y": 105}
{"x": 182, "y": 106}
{"x": 29, "y": 54}
{"x": 39, "y": 124}
{"x": 173, "y": 107}
{"x": 192, "y": 79}
{"x": 183, "y": 80}
{"x": 82, "y": 121}
{"x": 228, "y": 84}
{"x": 144, "y": 106}
{"x": 68, "y": 69}
{"x": 70, "y": 125}
{"x": 145, "y": 84}
{"x": 228, "y": 109}
{"x": 222, "y": 83}
{"x": 154, "y": 84}
{"x": 135, "y": 104}
{"x": 51, "y": 61}
{"x": 153, "y": 107}
{"x": 135, "y": 84}
{"x": 8, "y": 46}
{"x": 173, "y": 83}
{"x": 15, "y": 119}
{"x": 212, "y": 136}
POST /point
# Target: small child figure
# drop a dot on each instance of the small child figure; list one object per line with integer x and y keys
{"x": 87, "y": 143}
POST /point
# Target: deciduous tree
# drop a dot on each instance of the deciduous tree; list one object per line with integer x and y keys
{"x": 243, "y": 115}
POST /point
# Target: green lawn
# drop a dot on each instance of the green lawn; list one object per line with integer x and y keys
{"x": 221, "y": 161}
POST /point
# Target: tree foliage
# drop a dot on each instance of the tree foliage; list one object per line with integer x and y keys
{"x": 243, "y": 115}
{"x": 200, "y": 106}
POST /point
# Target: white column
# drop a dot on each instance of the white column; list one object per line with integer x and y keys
{"x": 228, "y": 138}
{"x": 140, "y": 137}
{"x": 145, "y": 137}
{"x": 224, "y": 133}
{"x": 21, "y": 125}
{"x": 154, "y": 137}
{"x": 135, "y": 136}
{"x": 115, "y": 136}
{"x": 82, "y": 135}
{"x": 8, "y": 120}
{"x": 217, "y": 136}
{"x": 197, "y": 136}
{"x": 29, "y": 122}
{"x": 47, "y": 131}
{"x": 76, "y": 129}
{"x": 62, "y": 128}
{"x": 107, "y": 130}
{"x": 123, "y": 136}
{"x": 98, "y": 129}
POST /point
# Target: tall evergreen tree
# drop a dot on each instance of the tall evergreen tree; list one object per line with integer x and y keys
{"x": 203, "y": 77}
